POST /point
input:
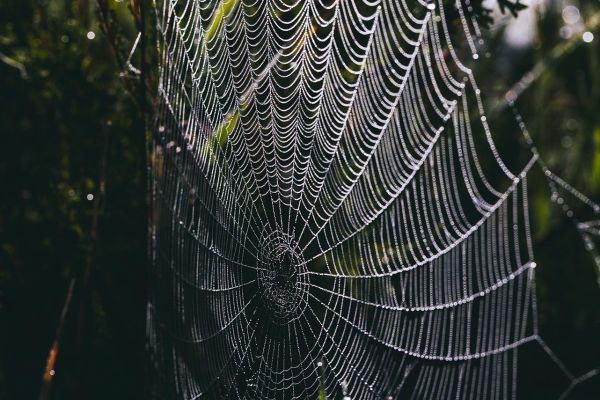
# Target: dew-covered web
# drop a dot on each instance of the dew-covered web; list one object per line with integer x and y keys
{"x": 331, "y": 216}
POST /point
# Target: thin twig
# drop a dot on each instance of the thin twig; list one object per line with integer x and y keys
{"x": 112, "y": 41}
{"x": 141, "y": 23}
{"x": 89, "y": 260}
{"x": 541, "y": 66}
{"x": 49, "y": 371}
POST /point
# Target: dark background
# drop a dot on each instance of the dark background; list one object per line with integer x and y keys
{"x": 69, "y": 120}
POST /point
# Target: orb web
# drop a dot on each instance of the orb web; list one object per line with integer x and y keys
{"x": 282, "y": 278}
{"x": 331, "y": 216}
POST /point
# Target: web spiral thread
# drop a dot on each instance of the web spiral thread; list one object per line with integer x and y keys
{"x": 330, "y": 212}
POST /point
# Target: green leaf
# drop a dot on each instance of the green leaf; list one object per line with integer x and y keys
{"x": 596, "y": 161}
{"x": 223, "y": 10}
{"x": 221, "y": 134}
{"x": 322, "y": 395}
{"x": 541, "y": 209}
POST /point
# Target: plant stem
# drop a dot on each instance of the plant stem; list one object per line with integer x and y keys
{"x": 53, "y": 354}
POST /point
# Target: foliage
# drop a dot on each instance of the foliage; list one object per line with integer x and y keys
{"x": 63, "y": 98}
{"x": 58, "y": 109}
{"x": 483, "y": 11}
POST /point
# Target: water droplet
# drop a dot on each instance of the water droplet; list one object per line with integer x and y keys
{"x": 565, "y": 32}
{"x": 570, "y": 15}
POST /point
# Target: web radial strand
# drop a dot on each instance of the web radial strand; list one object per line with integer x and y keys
{"x": 330, "y": 213}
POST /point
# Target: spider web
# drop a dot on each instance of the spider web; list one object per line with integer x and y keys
{"x": 331, "y": 216}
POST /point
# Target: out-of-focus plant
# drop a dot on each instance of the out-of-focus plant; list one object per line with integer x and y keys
{"x": 62, "y": 93}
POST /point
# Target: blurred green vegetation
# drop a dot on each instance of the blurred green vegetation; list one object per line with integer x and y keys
{"x": 59, "y": 107}
{"x": 63, "y": 101}
{"x": 560, "y": 106}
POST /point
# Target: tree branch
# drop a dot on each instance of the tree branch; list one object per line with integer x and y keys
{"x": 49, "y": 371}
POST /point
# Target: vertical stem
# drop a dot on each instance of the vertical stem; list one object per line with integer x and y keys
{"x": 52, "y": 355}
{"x": 144, "y": 65}
{"x": 144, "y": 81}
{"x": 89, "y": 259}
{"x": 83, "y": 10}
